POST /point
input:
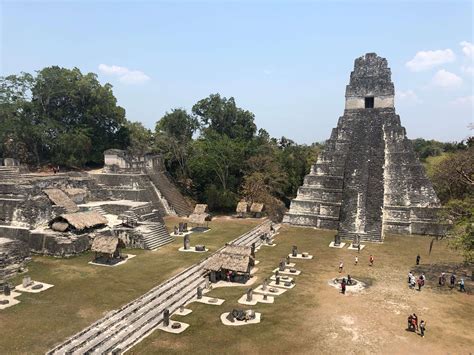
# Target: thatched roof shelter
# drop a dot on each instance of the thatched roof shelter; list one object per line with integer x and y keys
{"x": 106, "y": 244}
{"x": 232, "y": 257}
{"x": 238, "y": 263}
{"x": 256, "y": 207}
{"x": 59, "y": 198}
{"x": 81, "y": 220}
{"x": 242, "y": 207}
{"x": 200, "y": 209}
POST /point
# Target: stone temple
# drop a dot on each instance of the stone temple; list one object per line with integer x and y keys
{"x": 368, "y": 180}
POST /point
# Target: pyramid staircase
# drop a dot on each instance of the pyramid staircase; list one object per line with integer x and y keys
{"x": 155, "y": 235}
{"x": 99, "y": 210}
{"x": 170, "y": 192}
{"x": 9, "y": 173}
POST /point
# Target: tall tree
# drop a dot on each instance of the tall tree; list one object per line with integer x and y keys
{"x": 224, "y": 117}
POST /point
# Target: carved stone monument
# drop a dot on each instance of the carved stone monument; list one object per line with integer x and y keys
{"x": 249, "y": 295}
{"x": 294, "y": 251}
{"x": 337, "y": 240}
{"x": 186, "y": 242}
{"x": 368, "y": 180}
{"x": 166, "y": 317}
{"x": 282, "y": 265}
{"x": 199, "y": 293}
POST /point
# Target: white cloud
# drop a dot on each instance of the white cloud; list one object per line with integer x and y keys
{"x": 446, "y": 79}
{"x": 468, "y": 69}
{"x": 124, "y": 74}
{"x": 408, "y": 95}
{"x": 467, "y": 48}
{"x": 464, "y": 100}
{"x": 428, "y": 59}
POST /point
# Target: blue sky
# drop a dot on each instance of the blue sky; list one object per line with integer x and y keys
{"x": 288, "y": 62}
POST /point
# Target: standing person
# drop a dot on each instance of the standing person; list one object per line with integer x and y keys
{"x": 343, "y": 286}
{"x": 419, "y": 283}
{"x": 452, "y": 280}
{"x": 443, "y": 278}
{"x": 422, "y": 328}
{"x": 371, "y": 260}
{"x": 410, "y": 274}
{"x": 410, "y": 322}
{"x": 356, "y": 260}
{"x": 358, "y": 247}
{"x": 341, "y": 266}
{"x": 418, "y": 257}
{"x": 461, "y": 285}
{"x": 415, "y": 321}
{"x": 412, "y": 282}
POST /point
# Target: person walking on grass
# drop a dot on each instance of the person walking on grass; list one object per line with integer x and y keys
{"x": 341, "y": 266}
{"x": 371, "y": 260}
{"x": 422, "y": 328}
{"x": 461, "y": 285}
{"x": 356, "y": 260}
{"x": 415, "y": 321}
{"x": 343, "y": 286}
{"x": 418, "y": 257}
{"x": 452, "y": 280}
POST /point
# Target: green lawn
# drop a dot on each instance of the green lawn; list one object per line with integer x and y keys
{"x": 83, "y": 293}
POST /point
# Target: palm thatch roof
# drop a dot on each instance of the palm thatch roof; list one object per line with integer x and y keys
{"x": 238, "y": 263}
{"x": 81, "y": 220}
{"x": 237, "y": 250}
{"x": 242, "y": 207}
{"x": 59, "y": 198}
{"x": 106, "y": 244}
{"x": 256, "y": 207}
{"x": 200, "y": 209}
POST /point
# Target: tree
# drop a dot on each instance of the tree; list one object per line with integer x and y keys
{"x": 68, "y": 101}
{"x": 453, "y": 177}
{"x": 140, "y": 138}
{"x": 221, "y": 115}
{"x": 173, "y": 136}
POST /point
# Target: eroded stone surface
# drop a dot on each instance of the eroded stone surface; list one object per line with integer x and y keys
{"x": 368, "y": 180}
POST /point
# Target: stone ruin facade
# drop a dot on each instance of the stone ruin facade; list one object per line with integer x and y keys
{"x": 34, "y": 208}
{"x": 368, "y": 180}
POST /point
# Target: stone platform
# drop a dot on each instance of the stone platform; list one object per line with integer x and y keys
{"x": 168, "y": 329}
{"x": 237, "y": 323}
{"x": 256, "y": 298}
{"x": 30, "y": 288}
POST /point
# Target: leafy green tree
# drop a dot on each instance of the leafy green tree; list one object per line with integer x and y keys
{"x": 140, "y": 138}
{"x": 222, "y": 115}
{"x": 178, "y": 124}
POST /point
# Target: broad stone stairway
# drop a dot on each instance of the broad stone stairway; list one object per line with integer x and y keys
{"x": 121, "y": 329}
{"x": 10, "y": 173}
{"x": 170, "y": 192}
{"x": 155, "y": 235}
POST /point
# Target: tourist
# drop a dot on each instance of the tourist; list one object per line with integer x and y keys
{"x": 412, "y": 282}
{"x": 422, "y": 328}
{"x": 341, "y": 266}
{"x": 371, "y": 260}
{"x": 420, "y": 283}
{"x": 415, "y": 321}
{"x": 410, "y": 274}
{"x": 443, "y": 278}
{"x": 410, "y": 323}
{"x": 343, "y": 286}
{"x": 452, "y": 280}
{"x": 349, "y": 280}
{"x": 418, "y": 257}
{"x": 356, "y": 260}
{"x": 461, "y": 285}
{"x": 358, "y": 248}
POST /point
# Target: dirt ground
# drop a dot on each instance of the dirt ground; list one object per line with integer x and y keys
{"x": 315, "y": 318}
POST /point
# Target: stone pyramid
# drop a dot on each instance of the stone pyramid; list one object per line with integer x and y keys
{"x": 368, "y": 180}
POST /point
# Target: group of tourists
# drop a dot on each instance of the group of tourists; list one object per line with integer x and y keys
{"x": 452, "y": 281}
{"x": 356, "y": 262}
{"x": 413, "y": 325}
{"x": 413, "y": 281}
